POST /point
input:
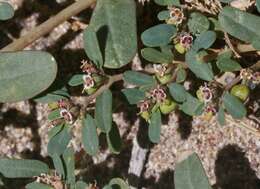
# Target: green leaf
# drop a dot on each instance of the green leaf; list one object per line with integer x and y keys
{"x": 134, "y": 95}
{"x": 14, "y": 168}
{"x": 234, "y": 106}
{"x": 163, "y": 15}
{"x": 118, "y": 183}
{"x": 221, "y": 116}
{"x": 6, "y": 11}
{"x": 228, "y": 65}
{"x": 204, "y": 40}
{"x": 258, "y": 5}
{"x": 103, "y": 112}
{"x": 240, "y": 24}
{"x": 37, "y": 185}
{"x": 138, "y": 78}
{"x": 200, "y": 69}
{"x": 91, "y": 45}
{"x": 155, "y": 56}
{"x": 55, "y": 92}
{"x": 158, "y": 35}
{"x": 55, "y": 130}
{"x": 55, "y": 114}
{"x": 76, "y": 80}
{"x": 58, "y": 164}
{"x": 154, "y": 130}
{"x": 59, "y": 142}
{"x": 178, "y": 92}
{"x": 81, "y": 185}
{"x": 198, "y": 23}
{"x": 25, "y": 74}
{"x": 181, "y": 75}
{"x": 114, "y": 140}
{"x": 192, "y": 106}
{"x": 168, "y": 2}
{"x": 90, "y": 136}
{"x": 189, "y": 174}
{"x": 69, "y": 161}
{"x": 114, "y": 22}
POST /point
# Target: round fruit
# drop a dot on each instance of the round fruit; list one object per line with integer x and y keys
{"x": 91, "y": 90}
{"x": 164, "y": 79}
{"x": 167, "y": 106}
{"x": 199, "y": 94}
{"x": 180, "y": 48}
{"x": 240, "y": 91}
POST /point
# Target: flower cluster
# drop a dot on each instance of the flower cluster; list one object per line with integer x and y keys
{"x": 65, "y": 113}
{"x": 249, "y": 75}
{"x": 186, "y": 40}
{"x": 176, "y": 16}
{"x": 158, "y": 95}
{"x": 205, "y": 94}
{"x": 54, "y": 181}
{"x": 89, "y": 69}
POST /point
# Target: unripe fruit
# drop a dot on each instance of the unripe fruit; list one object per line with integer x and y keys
{"x": 145, "y": 115}
{"x": 199, "y": 94}
{"x": 240, "y": 91}
{"x": 91, "y": 90}
{"x": 167, "y": 106}
{"x": 164, "y": 79}
{"x": 180, "y": 48}
{"x": 207, "y": 116}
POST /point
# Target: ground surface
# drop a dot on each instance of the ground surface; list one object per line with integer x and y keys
{"x": 230, "y": 154}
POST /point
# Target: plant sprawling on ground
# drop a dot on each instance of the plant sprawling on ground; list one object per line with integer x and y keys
{"x": 205, "y": 46}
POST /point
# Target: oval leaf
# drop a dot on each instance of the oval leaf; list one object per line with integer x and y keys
{"x": 114, "y": 140}
{"x": 204, "y": 40}
{"x": 234, "y": 106}
{"x": 6, "y": 11}
{"x": 154, "y": 130}
{"x": 90, "y": 136}
{"x": 103, "y": 112}
{"x": 69, "y": 161}
{"x": 198, "y": 23}
{"x": 200, "y": 69}
{"x": 14, "y": 168}
{"x": 138, "y": 78}
{"x": 228, "y": 65}
{"x": 134, "y": 95}
{"x": 156, "y": 56}
{"x": 59, "y": 142}
{"x": 178, "y": 92}
{"x": 25, "y": 74}
{"x": 37, "y": 185}
{"x": 114, "y": 22}
{"x": 158, "y": 35}
{"x": 240, "y": 24}
{"x": 189, "y": 174}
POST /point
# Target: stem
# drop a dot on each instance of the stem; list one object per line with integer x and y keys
{"x": 111, "y": 80}
{"x": 48, "y": 25}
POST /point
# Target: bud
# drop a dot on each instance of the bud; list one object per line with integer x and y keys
{"x": 168, "y": 106}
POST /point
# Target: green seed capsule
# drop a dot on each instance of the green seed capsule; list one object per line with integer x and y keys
{"x": 167, "y": 106}
{"x": 240, "y": 91}
{"x": 145, "y": 115}
{"x": 164, "y": 79}
{"x": 91, "y": 90}
{"x": 180, "y": 48}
